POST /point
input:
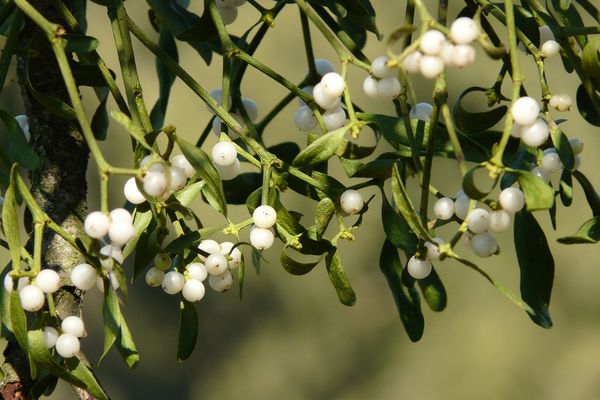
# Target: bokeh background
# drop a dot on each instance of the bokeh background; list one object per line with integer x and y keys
{"x": 289, "y": 337}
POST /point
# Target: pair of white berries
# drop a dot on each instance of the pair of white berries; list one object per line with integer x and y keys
{"x": 384, "y": 83}
{"x": 224, "y": 155}
{"x": 420, "y": 269}
{"x": 33, "y": 295}
{"x": 262, "y": 234}
{"x": 436, "y": 52}
{"x": 532, "y": 130}
{"x": 118, "y": 225}
{"x": 67, "y": 342}
{"x": 228, "y": 10}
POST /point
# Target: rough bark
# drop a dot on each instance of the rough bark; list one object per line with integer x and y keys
{"x": 59, "y": 185}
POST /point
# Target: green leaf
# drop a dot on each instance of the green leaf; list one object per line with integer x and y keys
{"x": 18, "y": 320}
{"x": 396, "y": 228}
{"x": 189, "y": 239}
{"x": 406, "y": 207}
{"x": 590, "y": 61}
{"x": 205, "y": 168}
{"x": 19, "y": 149}
{"x": 321, "y": 149}
{"x": 469, "y": 184}
{"x": 586, "y": 106}
{"x": 538, "y": 194}
{"x": 116, "y": 330}
{"x": 50, "y": 103}
{"x": 566, "y": 187}
{"x": 239, "y": 188}
{"x": 88, "y": 75}
{"x": 80, "y": 44}
{"x": 473, "y": 122}
{"x": 323, "y": 214}
{"x": 100, "y": 120}
{"x": 433, "y": 291}
{"x": 135, "y": 131}
{"x": 141, "y": 220}
{"x": 407, "y": 299}
{"x": 589, "y": 232}
{"x": 339, "y": 279}
{"x": 537, "y": 266}
{"x": 296, "y": 267}
{"x": 285, "y": 151}
{"x": 165, "y": 76}
{"x": 590, "y": 193}
{"x": 563, "y": 148}
{"x": 10, "y": 223}
{"x": 188, "y": 330}
{"x": 78, "y": 374}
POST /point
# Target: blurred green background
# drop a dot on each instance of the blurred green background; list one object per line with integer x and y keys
{"x": 289, "y": 337}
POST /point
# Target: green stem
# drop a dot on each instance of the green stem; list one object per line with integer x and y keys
{"x": 133, "y": 87}
{"x": 266, "y": 181}
{"x": 313, "y": 76}
{"x": 38, "y": 238}
{"x": 453, "y": 135}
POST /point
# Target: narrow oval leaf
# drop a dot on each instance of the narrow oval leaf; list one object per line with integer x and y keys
{"x": 590, "y": 193}
{"x": 473, "y": 122}
{"x": 405, "y": 206}
{"x": 18, "y": 320}
{"x": 433, "y": 291}
{"x": 135, "y": 131}
{"x": 296, "y": 267}
{"x": 188, "y": 330}
{"x": 10, "y": 223}
{"x": 586, "y": 107}
{"x": 396, "y": 228}
{"x": 538, "y": 194}
{"x": 205, "y": 168}
{"x": 323, "y": 215}
{"x": 338, "y": 278}
{"x": 589, "y": 232}
{"x": 19, "y": 149}
{"x": 239, "y": 188}
{"x": 407, "y": 298}
{"x": 469, "y": 184}
{"x": 141, "y": 220}
{"x": 50, "y": 103}
{"x": 537, "y": 267}
{"x": 321, "y": 149}
{"x": 118, "y": 332}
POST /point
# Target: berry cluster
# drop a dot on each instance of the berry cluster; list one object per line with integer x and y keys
{"x": 66, "y": 342}
{"x": 32, "y": 293}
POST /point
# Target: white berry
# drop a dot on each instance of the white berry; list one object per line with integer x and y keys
{"x": 217, "y": 94}
{"x": 516, "y": 131}
{"x": 162, "y": 261}
{"x": 525, "y": 110}
{"x": 444, "y": 208}
{"x": 323, "y": 66}
{"x": 221, "y": 283}
{"x": 264, "y": 216}
{"x": 535, "y": 134}
{"x": 154, "y": 277}
{"x": 110, "y": 252}
{"x": 432, "y": 42}
{"x": 120, "y": 215}
{"x": 499, "y": 220}
{"x": 380, "y": 68}
{"x": 431, "y": 66}
{"x": 333, "y": 84}
{"x": 324, "y": 100}
{"x": 132, "y": 193}
{"x": 197, "y": 271}
{"x": 512, "y": 200}
{"x": 351, "y": 202}
{"x": 50, "y": 336}
{"x": 216, "y": 264}
{"x": 251, "y": 108}
{"x": 193, "y": 290}
{"x": 447, "y": 54}
{"x": 464, "y": 30}
{"x": 463, "y": 55}
{"x": 32, "y": 298}
{"x": 412, "y": 62}
{"x": 305, "y": 119}
{"x": 47, "y": 280}
{"x": 421, "y": 111}
{"x": 550, "y": 48}
{"x": 551, "y": 161}
{"x": 155, "y": 183}
{"x": 478, "y": 220}
{"x": 261, "y": 238}
{"x": 120, "y": 233}
{"x": 334, "y": 119}
{"x": 370, "y": 87}
{"x": 418, "y": 269}
{"x": 229, "y": 172}
{"x": 181, "y": 162}
{"x": 84, "y": 276}
{"x": 433, "y": 251}
{"x": 484, "y": 244}
{"x": 576, "y": 162}
{"x": 235, "y": 254}
{"x": 96, "y": 224}
{"x": 73, "y": 325}
{"x": 209, "y": 246}
{"x": 173, "y": 282}
{"x": 461, "y": 205}
{"x": 389, "y": 88}
{"x": 67, "y": 345}
{"x": 177, "y": 179}
{"x": 541, "y": 173}
{"x": 224, "y": 153}
{"x": 576, "y": 145}
{"x": 217, "y": 127}
{"x": 228, "y": 14}
{"x": 562, "y": 102}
